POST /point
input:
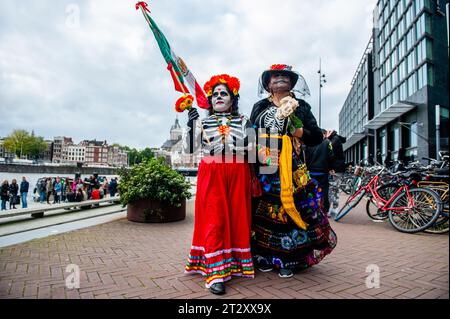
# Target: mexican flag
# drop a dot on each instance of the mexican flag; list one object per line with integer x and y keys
{"x": 183, "y": 78}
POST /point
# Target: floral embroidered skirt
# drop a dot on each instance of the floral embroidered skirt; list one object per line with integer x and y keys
{"x": 221, "y": 242}
{"x": 277, "y": 241}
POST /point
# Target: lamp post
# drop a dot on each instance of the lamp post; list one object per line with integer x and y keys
{"x": 322, "y": 81}
{"x": 438, "y": 130}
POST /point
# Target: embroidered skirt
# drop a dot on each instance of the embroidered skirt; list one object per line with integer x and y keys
{"x": 278, "y": 242}
{"x": 221, "y": 242}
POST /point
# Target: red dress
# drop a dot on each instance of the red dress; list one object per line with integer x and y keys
{"x": 221, "y": 242}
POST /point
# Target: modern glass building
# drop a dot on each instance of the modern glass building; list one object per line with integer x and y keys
{"x": 358, "y": 109}
{"x": 410, "y": 77}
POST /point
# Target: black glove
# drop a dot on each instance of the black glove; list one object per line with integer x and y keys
{"x": 193, "y": 115}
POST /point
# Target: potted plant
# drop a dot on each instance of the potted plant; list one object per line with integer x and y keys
{"x": 153, "y": 192}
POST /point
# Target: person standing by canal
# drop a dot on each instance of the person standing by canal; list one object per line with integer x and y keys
{"x": 24, "y": 187}
{"x": 4, "y": 194}
{"x": 49, "y": 189}
{"x": 13, "y": 191}
{"x": 58, "y": 191}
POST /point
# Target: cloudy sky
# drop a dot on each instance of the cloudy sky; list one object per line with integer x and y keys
{"x": 92, "y": 69}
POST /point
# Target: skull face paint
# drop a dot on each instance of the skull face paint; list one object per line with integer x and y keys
{"x": 221, "y": 99}
{"x": 280, "y": 82}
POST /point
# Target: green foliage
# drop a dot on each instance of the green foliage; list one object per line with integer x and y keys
{"x": 137, "y": 157}
{"x": 294, "y": 123}
{"x": 153, "y": 179}
{"x": 21, "y": 143}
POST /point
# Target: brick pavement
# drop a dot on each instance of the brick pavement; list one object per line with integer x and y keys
{"x": 128, "y": 260}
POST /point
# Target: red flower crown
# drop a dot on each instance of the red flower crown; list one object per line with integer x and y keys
{"x": 231, "y": 82}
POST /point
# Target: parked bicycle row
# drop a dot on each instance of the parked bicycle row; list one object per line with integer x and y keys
{"x": 413, "y": 198}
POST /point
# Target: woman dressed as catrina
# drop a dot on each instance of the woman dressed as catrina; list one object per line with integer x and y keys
{"x": 221, "y": 241}
{"x": 291, "y": 230}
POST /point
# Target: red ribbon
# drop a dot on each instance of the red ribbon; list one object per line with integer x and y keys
{"x": 142, "y": 5}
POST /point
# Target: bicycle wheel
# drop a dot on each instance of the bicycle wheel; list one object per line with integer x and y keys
{"x": 351, "y": 202}
{"x": 347, "y": 184}
{"x": 385, "y": 192}
{"x": 426, "y": 208}
{"x": 441, "y": 226}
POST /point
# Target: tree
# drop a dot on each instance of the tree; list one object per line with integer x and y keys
{"x": 135, "y": 156}
{"x": 21, "y": 143}
{"x": 18, "y": 142}
{"x": 146, "y": 154}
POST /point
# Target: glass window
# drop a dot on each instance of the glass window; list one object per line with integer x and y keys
{"x": 392, "y": 21}
{"x": 401, "y": 49}
{"x": 420, "y": 26}
{"x": 422, "y": 77}
{"x": 385, "y": 13}
{"x": 404, "y": 90}
{"x": 395, "y": 95}
{"x": 393, "y": 39}
{"x": 394, "y": 78}
{"x": 399, "y": 9}
{"x": 410, "y": 63}
{"x": 402, "y": 70}
{"x": 401, "y": 27}
{"x": 388, "y": 65}
{"x": 419, "y": 52}
{"x": 388, "y": 84}
{"x": 410, "y": 39}
{"x": 383, "y": 89}
{"x": 418, "y": 6}
{"x": 412, "y": 84}
{"x": 394, "y": 58}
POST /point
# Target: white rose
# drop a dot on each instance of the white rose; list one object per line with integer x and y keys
{"x": 288, "y": 106}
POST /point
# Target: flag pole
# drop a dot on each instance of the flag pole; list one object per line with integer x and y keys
{"x": 176, "y": 75}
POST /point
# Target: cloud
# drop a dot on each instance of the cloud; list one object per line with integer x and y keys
{"x": 105, "y": 78}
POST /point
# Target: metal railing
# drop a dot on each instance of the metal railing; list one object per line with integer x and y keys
{"x": 38, "y": 212}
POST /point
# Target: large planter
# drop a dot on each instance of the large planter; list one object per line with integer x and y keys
{"x": 152, "y": 211}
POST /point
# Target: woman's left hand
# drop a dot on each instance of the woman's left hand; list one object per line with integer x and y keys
{"x": 299, "y": 133}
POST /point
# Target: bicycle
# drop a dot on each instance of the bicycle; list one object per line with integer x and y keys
{"x": 409, "y": 210}
{"x": 441, "y": 225}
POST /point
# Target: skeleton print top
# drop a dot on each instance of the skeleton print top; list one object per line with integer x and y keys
{"x": 219, "y": 134}
{"x": 269, "y": 121}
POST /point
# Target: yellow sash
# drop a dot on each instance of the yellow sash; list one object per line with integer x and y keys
{"x": 287, "y": 186}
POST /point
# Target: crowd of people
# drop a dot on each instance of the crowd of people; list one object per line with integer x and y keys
{"x": 57, "y": 190}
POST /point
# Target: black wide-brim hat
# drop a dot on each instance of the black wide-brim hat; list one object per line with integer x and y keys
{"x": 298, "y": 82}
{"x": 279, "y": 68}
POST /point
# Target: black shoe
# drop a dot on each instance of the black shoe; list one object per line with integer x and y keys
{"x": 285, "y": 273}
{"x": 265, "y": 268}
{"x": 218, "y": 289}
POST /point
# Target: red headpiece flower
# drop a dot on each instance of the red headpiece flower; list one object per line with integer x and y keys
{"x": 281, "y": 67}
{"x": 231, "y": 82}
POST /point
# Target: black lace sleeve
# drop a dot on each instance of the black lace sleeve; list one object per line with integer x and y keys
{"x": 312, "y": 134}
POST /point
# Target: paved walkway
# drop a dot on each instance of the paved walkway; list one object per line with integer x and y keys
{"x": 127, "y": 260}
